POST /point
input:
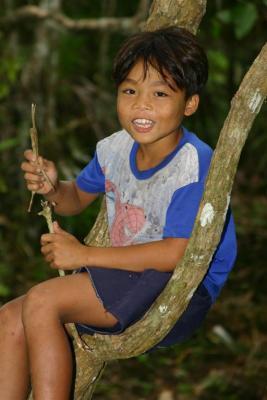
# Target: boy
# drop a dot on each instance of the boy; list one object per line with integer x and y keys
{"x": 153, "y": 173}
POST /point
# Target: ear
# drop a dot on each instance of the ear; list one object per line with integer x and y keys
{"x": 191, "y": 105}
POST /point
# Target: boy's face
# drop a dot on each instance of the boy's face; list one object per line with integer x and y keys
{"x": 150, "y": 111}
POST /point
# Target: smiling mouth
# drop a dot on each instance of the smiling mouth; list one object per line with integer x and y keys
{"x": 142, "y": 123}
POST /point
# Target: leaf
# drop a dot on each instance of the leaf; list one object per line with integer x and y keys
{"x": 3, "y": 186}
{"x": 219, "y": 64}
{"x": 4, "y": 290}
{"x": 264, "y": 2}
{"x": 218, "y": 59}
{"x": 8, "y": 144}
{"x": 245, "y": 16}
{"x": 216, "y": 28}
{"x": 225, "y": 16}
{"x": 4, "y": 91}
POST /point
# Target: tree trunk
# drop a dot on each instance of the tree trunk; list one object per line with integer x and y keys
{"x": 208, "y": 226}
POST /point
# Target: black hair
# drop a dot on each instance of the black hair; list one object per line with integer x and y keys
{"x": 174, "y": 52}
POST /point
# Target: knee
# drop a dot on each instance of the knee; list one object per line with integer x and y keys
{"x": 11, "y": 326}
{"x": 36, "y": 304}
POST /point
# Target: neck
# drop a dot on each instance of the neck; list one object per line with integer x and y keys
{"x": 150, "y": 155}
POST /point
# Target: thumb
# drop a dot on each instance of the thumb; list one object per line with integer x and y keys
{"x": 57, "y": 228}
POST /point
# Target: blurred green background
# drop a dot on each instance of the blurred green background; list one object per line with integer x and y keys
{"x": 67, "y": 74}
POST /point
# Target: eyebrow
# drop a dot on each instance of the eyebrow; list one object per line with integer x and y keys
{"x": 154, "y": 83}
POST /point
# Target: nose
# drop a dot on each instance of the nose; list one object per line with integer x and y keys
{"x": 142, "y": 102}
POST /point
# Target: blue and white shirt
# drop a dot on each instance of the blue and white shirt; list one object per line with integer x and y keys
{"x": 161, "y": 202}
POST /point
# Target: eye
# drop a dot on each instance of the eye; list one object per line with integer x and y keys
{"x": 161, "y": 94}
{"x": 128, "y": 91}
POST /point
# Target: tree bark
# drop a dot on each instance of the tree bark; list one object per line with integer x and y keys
{"x": 185, "y": 13}
{"x": 208, "y": 226}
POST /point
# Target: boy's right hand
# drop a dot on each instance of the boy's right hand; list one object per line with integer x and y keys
{"x": 33, "y": 176}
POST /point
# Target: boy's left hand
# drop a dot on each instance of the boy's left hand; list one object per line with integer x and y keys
{"x": 61, "y": 249}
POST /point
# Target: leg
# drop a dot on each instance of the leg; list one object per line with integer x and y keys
{"x": 14, "y": 371}
{"x": 47, "y": 307}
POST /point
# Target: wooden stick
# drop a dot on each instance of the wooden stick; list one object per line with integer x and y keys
{"x": 47, "y": 214}
{"x": 35, "y": 149}
{"x": 34, "y": 141}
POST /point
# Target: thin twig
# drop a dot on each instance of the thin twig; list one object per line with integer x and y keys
{"x": 35, "y": 149}
{"x": 34, "y": 141}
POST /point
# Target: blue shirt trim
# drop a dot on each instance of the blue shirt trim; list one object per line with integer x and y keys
{"x": 146, "y": 174}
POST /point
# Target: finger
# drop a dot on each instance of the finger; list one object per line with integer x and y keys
{"x": 54, "y": 265}
{"x": 29, "y": 155}
{"x": 49, "y": 170}
{"x": 35, "y": 187}
{"x": 43, "y": 163}
{"x": 49, "y": 258}
{"x": 48, "y": 238}
{"x": 40, "y": 162}
{"x": 33, "y": 177}
{"x": 58, "y": 229}
{"x": 47, "y": 164}
{"x": 28, "y": 167}
{"x": 46, "y": 248}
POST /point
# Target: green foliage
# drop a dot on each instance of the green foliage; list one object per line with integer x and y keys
{"x": 9, "y": 70}
{"x": 219, "y": 64}
{"x": 8, "y": 144}
{"x": 4, "y": 290}
{"x": 243, "y": 16}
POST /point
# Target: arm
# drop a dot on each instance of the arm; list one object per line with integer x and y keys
{"x": 162, "y": 255}
{"x": 68, "y": 198}
{"x": 64, "y": 251}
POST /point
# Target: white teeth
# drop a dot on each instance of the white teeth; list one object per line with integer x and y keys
{"x": 143, "y": 122}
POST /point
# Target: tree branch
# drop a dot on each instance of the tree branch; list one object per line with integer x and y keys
{"x": 169, "y": 306}
{"x": 38, "y": 13}
{"x": 207, "y": 229}
{"x": 185, "y": 13}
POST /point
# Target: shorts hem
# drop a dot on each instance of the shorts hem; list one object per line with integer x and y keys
{"x": 90, "y": 329}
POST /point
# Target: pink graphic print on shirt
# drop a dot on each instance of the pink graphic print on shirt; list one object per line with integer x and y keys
{"x": 128, "y": 219}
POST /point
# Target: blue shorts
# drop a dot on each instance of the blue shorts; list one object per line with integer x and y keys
{"x": 128, "y": 295}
